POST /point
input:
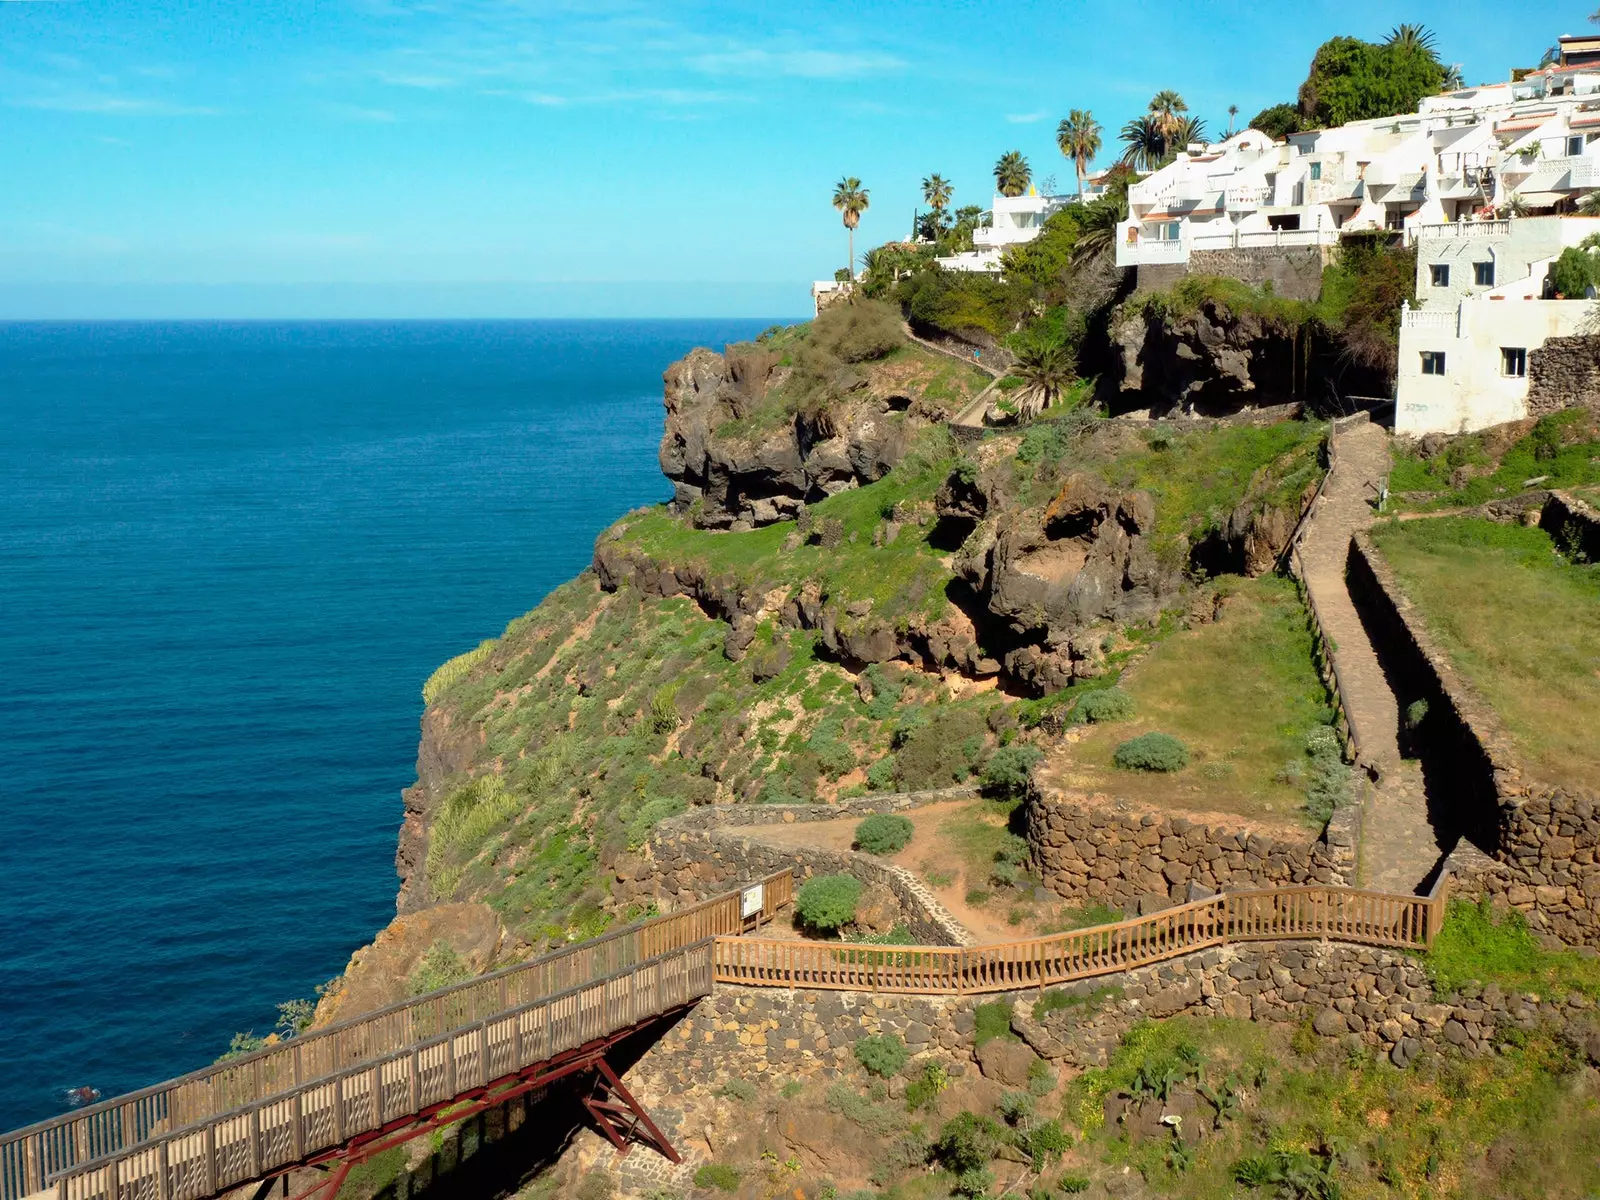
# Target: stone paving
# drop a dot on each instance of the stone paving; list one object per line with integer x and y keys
{"x": 1398, "y": 847}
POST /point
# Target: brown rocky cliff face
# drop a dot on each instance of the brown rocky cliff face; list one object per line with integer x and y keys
{"x": 745, "y": 480}
{"x": 1210, "y": 362}
{"x": 443, "y": 751}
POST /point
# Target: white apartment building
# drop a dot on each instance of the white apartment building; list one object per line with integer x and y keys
{"x": 1481, "y": 312}
{"x": 1533, "y": 144}
{"x": 1015, "y": 220}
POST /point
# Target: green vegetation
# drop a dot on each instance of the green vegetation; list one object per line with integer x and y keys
{"x": 453, "y": 671}
{"x": 827, "y": 903}
{"x": 1008, "y": 770}
{"x": 1561, "y": 448}
{"x": 992, "y": 1020}
{"x": 882, "y": 833}
{"x": 1152, "y": 751}
{"x": 882, "y": 1054}
{"x": 1353, "y": 80}
{"x": 1520, "y": 623}
{"x": 439, "y": 967}
{"x": 1476, "y": 946}
{"x": 1577, "y": 269}
{"x": 1244, "y": 696}
{"x": 738, "y": 1089}
{"x": 1106, "y": 705}
{"x": 721, "y": 1176}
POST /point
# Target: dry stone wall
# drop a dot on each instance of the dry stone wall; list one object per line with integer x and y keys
{"x": 1573, "y": 524}
{"x": 702, "y": 852}
{"x": 1142, "y": 860}
{"x": 1533, "y": 846}
{"x": 1563, "y": 372}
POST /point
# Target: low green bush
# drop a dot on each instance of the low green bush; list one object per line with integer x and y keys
{"x": 1046, "y": 1143}
{"x": 717, "y": 1175}
{"x": 1107, "y": 704}
{"x": 738, "y": 1089}
{"x": 881, "y": 774}
{"x": 992, "y": 1020}
{"x": 827, "y": 903}
{"x": 597, "y": 1185}
{"x": 882, "y": 833}
{"x": 1009, "y": 768}
{"x": 882, "y": 1054}
{"x": 439, "y": 967}
{"x": 925, "y": 1087}
{"x": 1073, "y": 1185}
{"x": 1152, "y": 752}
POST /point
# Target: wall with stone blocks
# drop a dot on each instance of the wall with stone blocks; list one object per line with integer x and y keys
{"x": 1140, "y": 860}
{"x": 1563, "y": 372}
{"x": 1573, "y": 524}
{"x": 1536, "y": 847}
{"x": 702, "y": 851}
{"x": 1293, "y": 273}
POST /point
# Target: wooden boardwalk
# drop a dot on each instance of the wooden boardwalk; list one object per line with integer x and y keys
{"x": 339, "y": 1091}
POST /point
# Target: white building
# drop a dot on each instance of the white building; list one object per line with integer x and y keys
{"x": 1015, "y": 220}
{"x": 1464, "y": 350}
{"x": 1533, "y": 145}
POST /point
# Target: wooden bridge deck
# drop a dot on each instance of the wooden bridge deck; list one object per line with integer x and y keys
{"x": 214, "y": 1130}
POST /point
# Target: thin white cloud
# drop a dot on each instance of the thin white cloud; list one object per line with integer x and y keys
{"x": 355, "y": 112}
{"x": 1026, "y": 118}
{"x": 801, "y": 63}
{"x": 116, "y": 106}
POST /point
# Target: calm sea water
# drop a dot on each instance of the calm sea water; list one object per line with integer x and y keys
{"x": 229, "y": 556}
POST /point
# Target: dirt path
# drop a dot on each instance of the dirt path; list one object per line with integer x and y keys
{"x": 971, "y": 414}
{"x": 930, "y": 856}
{"x": 1398, "y": 846}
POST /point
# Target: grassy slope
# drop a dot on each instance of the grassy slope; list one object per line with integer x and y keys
{"x": 1521, "y": 624}
{"x": 1563, "y": 449}
{"x": 1241, "y": 693}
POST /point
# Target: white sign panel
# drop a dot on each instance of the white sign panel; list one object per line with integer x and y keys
{"x": 752, "y": 900}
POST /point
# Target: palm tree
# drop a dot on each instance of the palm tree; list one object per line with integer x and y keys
{"x": 1167, "y": 107}
{"x": 936, "y": 191}
{"x": 1187, "y": 131}
{"x": 1078, "y": 137}
{"x": 1453, "y": 82}
{"x": 1101, "y": 218}
{"x": 1012, "y": 174}
{"x": 850, "y": 199}
{"x": 1146, "y": 143}
{"x": 1046, "y": 370}
{"x": 1233, "y": 118}
{"x": 1414, "y": 37}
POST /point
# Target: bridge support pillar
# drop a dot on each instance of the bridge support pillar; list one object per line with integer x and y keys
{"x": 620, "y": 1117}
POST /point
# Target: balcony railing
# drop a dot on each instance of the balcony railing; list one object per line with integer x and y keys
{"x": 1461, "y": 229}
{"x": 1285, "y": 238}
{"x": 1152, "y": 251}
{"x": 1433, "y": 320}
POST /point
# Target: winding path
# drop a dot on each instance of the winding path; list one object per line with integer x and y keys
{"x": 1399, "y": 849}
{"x": 971, "y": 415}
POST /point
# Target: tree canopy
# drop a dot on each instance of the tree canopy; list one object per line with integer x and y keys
{"x": 1353, "y": 80}
{"x": 1012, "y": 175}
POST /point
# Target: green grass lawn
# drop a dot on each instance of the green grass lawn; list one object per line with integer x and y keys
{"x": 1520, "y": 623}
{"x": 1241, "y": 693}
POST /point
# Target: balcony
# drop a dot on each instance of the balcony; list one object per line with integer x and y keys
{"x": 1461, "y": 229}
{"x": 1334, "y": 191}
{"x": 1241, "y": 198}
{"x": 1429, "y": 320}
{"x": 1148, "y": 252}
{"x": 1283, "y": 238}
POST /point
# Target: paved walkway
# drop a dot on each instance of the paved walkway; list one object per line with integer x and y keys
{"x": 971, "y": 416}
{"x": 1398, "y": 846}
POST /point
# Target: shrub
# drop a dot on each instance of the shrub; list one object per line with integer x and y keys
{"x": 454, "y": 671}
{"x": 664, "y": 710}
{"x": 1047, "y": 1143}
{"x": 992, "y": 1020}
{"x": 597, "y": 1185}
{"x": 717, "y": 1175}
{"x": 882, "y": 1055}
{"x": 885, "y": 693}
{"x": 922, "y": 1090}
{"x": 935, "y": 752}
{"x": 858, "y": 332}
{"x": 967, "y": 1143}
{"x": 1041, "y": 1079}
{"x": 1073, "y": 1185}
{"x": 884, "y": 834}
{"x": 827, "y": 903}
{"x": 439, "y": 967}
{"x": 1108, "y": 704}
{"x": 1152, "y": 752}
{"x": 1009, "y": 768}
{"x": 738, "y": 1089}
{"x": 880, "y": 775}
{"x": 833, "y": 756}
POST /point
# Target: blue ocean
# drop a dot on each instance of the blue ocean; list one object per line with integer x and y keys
{"x": 230, "y": 553}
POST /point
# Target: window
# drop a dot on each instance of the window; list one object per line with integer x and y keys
{"x": 1575, "y": 145}
{"x": 1439, "y": 274}
{"x": 1483, "y": 274}
{"x": 1433, "y": 362}
{"x": 1316, "y": 170}
{"x": 1514, "y": 362}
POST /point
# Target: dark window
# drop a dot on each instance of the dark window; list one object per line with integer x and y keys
{"x": 1433, "y": 362}
{"x": 1514, "y": 361}
{"x": 1439, "y": 274}
{"x": 1575, "y": 145}
{"x": 1483, "y": 274}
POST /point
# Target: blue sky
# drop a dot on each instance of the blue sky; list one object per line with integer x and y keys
{"x": 541, "y": 157}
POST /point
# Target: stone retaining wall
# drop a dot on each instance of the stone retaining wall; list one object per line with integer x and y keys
{"x": 1143, "y": 860}
{"x": 1539, "y": 845}
{"x": 1563, "y": 372}
{"x": 1294, "y": 273}
{"x": 1573, "y": 524}
{"x": 699, "y": 853}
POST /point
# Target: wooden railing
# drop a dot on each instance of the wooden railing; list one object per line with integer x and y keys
{"x": 1339, "y": 914}
{"x": 31, "y": 1156}
{"x": 253, "y": 1140}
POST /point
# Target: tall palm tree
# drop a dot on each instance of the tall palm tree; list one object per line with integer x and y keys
{"x": 1101, "y": 218}
{"x": 1167, "y": 107}
{"x": 1453, "y": 82}
{"x": 936, "y": 192}
{"x": 1186, "y": 131}
{"x": 850, "y": 199}
{"x": 1078, "y": 137}
{"x": 1145, "y": 143}
{"x": 1012, "y": 174}
{"x": 1233, "y": 118}
{"x": 1414, "y": 37}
